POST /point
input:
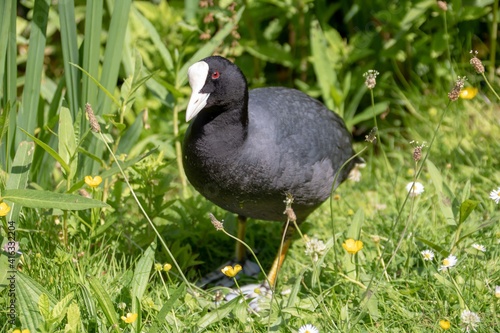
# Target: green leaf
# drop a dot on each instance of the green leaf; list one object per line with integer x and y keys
{"x": 49, "y": 150}
{"x": 69, "y": 43}
{"x": 466, "y": 208}
{"x": 217, "y": 315}
{"x": 444, "y": 197}
{"x": 105, "y": 303}
{"x": 28, "y": 112}
{"x": 60, "y": 309}
{"x": 46, "y": 199}
{"x": 44, "y": 306}
{"x": 91, "y": 49}
{"x": 367, "y": 114}
{"x": 322, "y": 67}
{"x": 28, "y": 293}
{"x": 19, "y": 174}
{"x": 67, "y": 140}
{"x": 101, "y": 87}
{"x": 5, "y": 9}
{"x": 141, "y": 277}
{"x": 357, "y": 221}
{"x": 166, "y": 308}
{"x": 158, "y": 43}
{"x": 74, "y": 318}
{"x": 208, "y": 48}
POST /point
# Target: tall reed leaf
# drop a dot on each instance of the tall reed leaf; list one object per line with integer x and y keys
{"x": 70, "y": 53}
{"x": 5, "y": 7}
{"x": 91, "y": 50}
{"x": 28, "y": 112}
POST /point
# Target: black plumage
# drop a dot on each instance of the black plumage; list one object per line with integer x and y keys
{"x": 245, "y": 151}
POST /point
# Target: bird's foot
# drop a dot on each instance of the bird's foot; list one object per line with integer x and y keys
{"x": 217, "y": 278}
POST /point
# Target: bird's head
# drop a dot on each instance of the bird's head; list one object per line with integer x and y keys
{"x": 217, "y": 83}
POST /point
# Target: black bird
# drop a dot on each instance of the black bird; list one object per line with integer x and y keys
{"x": 245, "y": 151}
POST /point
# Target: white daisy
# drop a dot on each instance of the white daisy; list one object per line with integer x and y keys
{"x": 479, "y": 247}
{"x": 308, "y": 329}
{"x": 497, "y": 291}
{"x": 448, "y": 262}
{"x": 470, "y": 320}
{"x": 415, "y": 188}
{"x": 428, "y": 255}
{"x": 495, "y": 195}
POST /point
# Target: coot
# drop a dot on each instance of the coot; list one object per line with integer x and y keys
{"x": 246, "y": 150}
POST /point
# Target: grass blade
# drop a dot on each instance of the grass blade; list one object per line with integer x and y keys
{"x": 28, "y": 112}
{"x": 141, "y": 277}
{"x": 49, "y": 150}
{"x": 105, "y": 302}
{"x": 5, "y": 7}
{"x": 18, "y": 176}
{"x": 91, "y": 50}
{"x": 70, "y": 52}
{"x": 67, "y": 140}
{"x": 113, "y": 53}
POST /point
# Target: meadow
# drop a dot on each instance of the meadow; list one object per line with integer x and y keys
{"x": 102, "y": 232}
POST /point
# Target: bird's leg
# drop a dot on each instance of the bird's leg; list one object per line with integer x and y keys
{"x": 240, "y": 251}
{"x": 288, "y": 231}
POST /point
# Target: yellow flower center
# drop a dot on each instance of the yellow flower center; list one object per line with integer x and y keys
{"x": 446, "y": 262}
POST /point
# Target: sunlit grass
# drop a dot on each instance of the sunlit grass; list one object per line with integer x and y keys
{"x": 384, "y": 255}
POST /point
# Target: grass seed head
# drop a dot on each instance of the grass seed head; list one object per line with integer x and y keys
{"x": 476, "y": 62}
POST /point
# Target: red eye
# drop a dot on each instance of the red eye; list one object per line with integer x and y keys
{"x": 215, "y": 75}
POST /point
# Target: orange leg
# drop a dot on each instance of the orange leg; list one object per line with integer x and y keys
{"x": 280, "y": 257}
{"x": 240, "y": 251}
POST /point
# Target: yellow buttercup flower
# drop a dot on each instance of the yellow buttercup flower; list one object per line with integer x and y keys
{"x": 231, "y": 271}
{"x": 167, "y": 267}
{"x": 17, "y": 330}
{"x": 130, "y": 318}
{"x": 444, "y": 324}
{"x": 93, "y": 181}
{"x": 352, "y": 246}
{"x": 468, "y": 93}
{"x": 4, "y": 209}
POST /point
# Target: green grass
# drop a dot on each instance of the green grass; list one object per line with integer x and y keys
{"x": 83, "y": 266}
